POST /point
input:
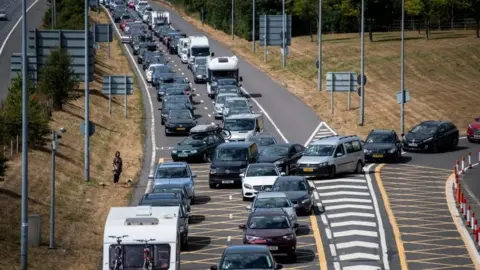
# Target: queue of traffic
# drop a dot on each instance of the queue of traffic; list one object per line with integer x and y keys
{"x": 240, "y": 152}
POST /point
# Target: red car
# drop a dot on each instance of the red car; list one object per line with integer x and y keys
{"x": 131, "y": 4}
{"x": 123, "y": 23}
{"x": 473, "y": 131}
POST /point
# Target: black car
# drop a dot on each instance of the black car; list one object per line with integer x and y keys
{"x": 200, "y": 74}
{"x": 381, "y": 145}
{"x": 298, "y": 191}
{"x": 154, "y": 57}
{"x": 149, "y": 46}
{"x": 179, "y": 121}
{"x": 174, "y": 188}
{"x": 142, "y": 54}
{"x": 197, "y": 147}
{"x": 431, "y": 136}
{"x": 168, "y": 106}
{"x": 173, "y": 45}
{"x": 229, "y": 161}
{"x": 285, "y": 156}
{"x": 217, "y": 82}
{"x": 161, "y": 74}
{"x": 179, "y": 99}
{"x": 263, "y": 139}
{"x": 170, "y": 199}
{"x": 252, "y": 257}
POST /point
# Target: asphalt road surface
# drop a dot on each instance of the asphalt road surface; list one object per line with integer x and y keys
{"x": 11, "y": 33}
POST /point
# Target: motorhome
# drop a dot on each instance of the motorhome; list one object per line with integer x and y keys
{"x": 160, "y": 225}
{"x": 221, "y": 67}
{"x": 199, "y": 46}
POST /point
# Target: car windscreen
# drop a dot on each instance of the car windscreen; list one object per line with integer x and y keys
{"x": 173, "y": 106}
{"x": 201, "y": 69}
{"x": 380, "y": 138}
{"x": 256, "y": 171}
{"x": 230, "y": 154}
{"x": 229, "y": 103}
{"x": 227, "y": 82}
{"x": 246, "y": 261}
{"x": 275, "y": 151}
{"x": 321, "y": 150}
{"x": 227, "y": 90}
{"x": 195, "y": 141}
{"x": 179, "y": 80}
{"x": 174, "y": 92}
{"x": 239, "y": 124}
{"x": 172, "y": 172}
{"x": 133, "y": 255}
{"x": 268, "y": 222}
{"x": 221, "y": 99}
{"x": 200, "y": 51}
{"x": 239, "y": 110}
{"x": 263, "y": 141}
{"x": 289, "y": 185}
{"x": 201, "y": 61}
{"x": 272, "y": 202}
{"x": 178, "y": 190}
{"x": 180, "y": 114}
{"x": 426, "y": 129}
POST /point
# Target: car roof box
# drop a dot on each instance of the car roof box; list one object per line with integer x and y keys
{"x": 203, "y": 128}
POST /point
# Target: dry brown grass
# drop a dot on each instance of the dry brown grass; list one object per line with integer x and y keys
{"x": 442, "y": 75}
{"x": 81, "y": 208}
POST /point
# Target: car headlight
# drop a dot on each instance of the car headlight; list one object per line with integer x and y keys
{"x": 193, "y": 151}
{"x": 427, "y": 140}
{"x": 214, "y": 84}
{"x": 293, "y": 216}
{"x": 161, "y": 93}
{"x": 247, "y": 186}
{"x": 199, "y": 76}
{"x": 288, "y": 237}
{"x": 278, "y": 163}
{"x": 393, "y": 150}
{"x": 182, "y": 228}
{"x": 323, "y": 164}
{"x": 252, "y": 238}
{"x": 174, "y": 151}
{"x": 366, "y": 150}
{"x": 213, "y": 171}
{"x": 164, "y": 115}
{"x": 218, "y": 109}
{"x": 470, "y": 126}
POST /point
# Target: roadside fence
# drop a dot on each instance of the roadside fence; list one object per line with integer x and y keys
{"x": 9, "y": 149}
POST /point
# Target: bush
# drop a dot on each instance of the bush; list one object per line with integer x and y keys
{"x": 57, "y": 78}
{"x": 12, "y": 113}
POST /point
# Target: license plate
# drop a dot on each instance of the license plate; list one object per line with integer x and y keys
{"x": 180, "y": 128}
{"x": 378, "y": 155}
{"x": 227, "y": 182}
{"x": 308, "y": 169}
{"x": 413, "y": 144}
{"x": 182, "y": 155}
{"x": 476, "y": 136}
{"x": 273, "y": 247}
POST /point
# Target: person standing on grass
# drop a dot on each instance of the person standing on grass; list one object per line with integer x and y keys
{"x": 117, "y": 167}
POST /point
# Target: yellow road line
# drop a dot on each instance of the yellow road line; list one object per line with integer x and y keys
{"x": 393, "y": 221}
{"x": 472, "y": 251}
{"x": 318, "y": 242}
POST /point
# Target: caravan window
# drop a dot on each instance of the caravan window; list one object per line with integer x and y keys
{"x": 225, "y": 74}
{"x": 133, "y": 256}
{"x": 202, "y": 51}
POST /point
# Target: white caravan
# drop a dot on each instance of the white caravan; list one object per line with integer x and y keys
{"x": 221, "y": 67}
{"x": 199, "y": 46}
{"x": 143, "y": 223}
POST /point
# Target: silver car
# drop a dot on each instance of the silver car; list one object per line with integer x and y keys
{"x": 219, "y": 103}
{"x": 273, "y": 200}
{"x": 175, "y": 173}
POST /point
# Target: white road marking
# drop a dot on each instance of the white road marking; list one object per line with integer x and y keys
{"x": 15, "y": 26}
{"x": 348, "y": 206}
{"x": 356, "y": 244}
{"x": 341, "y": 180}
{"x": 152, "y": 128}
{"x": 230, "y": 197}
{"x": 353, "y": 223}
{"x": 324, "y": 220}
{"x": 359, "y": 255}
{"x": 231, "y": 216}
{"x": 341, "y": 187}
{"x": 355, "y": 233}
{"x": 338, "y": 193}
{"x": 209, "y": 115}
{"x": 350, "y": 200}
{"x": 350, "y": 214}
{"x": 201, "y": 101}
{"x": 328, "y": 232}
{"x": 336, "y": 265}
{"x": 205, "y": 108}
{"x": 333, "y": 250}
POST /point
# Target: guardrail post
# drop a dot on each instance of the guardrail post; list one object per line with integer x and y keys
{"x": 463, "y": 165}
{"x": 469, "y": 215}
{"x": 469, "y": 160}
{"x": 457, "y": 165}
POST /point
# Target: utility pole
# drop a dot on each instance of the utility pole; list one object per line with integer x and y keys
{"x": 52, "y": 195}
{"x": 253, "y": 26}
{"x": 24, "y": 207}
{"x": 319, "y": 70}
{"x": 87, "y": 100}
{"x": 233, "y": 18}
{"x": 284, "y": 56}
{"x": 402, "y": 72}
{"x": 362, "y": 66}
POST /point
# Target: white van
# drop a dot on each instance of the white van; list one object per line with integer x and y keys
{"x": 182, "y": 43}
{"x": 131, "y": 225}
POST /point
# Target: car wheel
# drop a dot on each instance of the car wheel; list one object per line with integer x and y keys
{"x": 435, "y": 148}
{"x": 162, "y": 122}
{"x": 166, "y": 133}
{"x": 454, "y": 144}
{"x": 292, "y": 257}
{"x": 244, "y": 198}
{"x": 332, "y": 172}
{"x": 470, "y": 140}
{"x": 359, "y": 168}
{"x": 205, "y": 157}
{"x": 211, "y": 185}
{"x": 192, "y": 201}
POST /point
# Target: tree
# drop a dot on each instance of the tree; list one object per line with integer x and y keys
{"x": 12, "y": 113}
{"x": 474, "y": 8}
{"x": 426, "y": 9}
{"x": 308, "y": 11}
{"x": 57, "y": 78}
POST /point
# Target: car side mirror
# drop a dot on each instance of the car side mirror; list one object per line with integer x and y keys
{"x": 295, "y": 225}
{"x": 339, "y": 155}
{"x": 194, "y": 175}
{"x": 212, "y": 54}
{"x": 214, "y": 267}
{"x": 213, "y": 102}
{"x": 279, "y": 266}
{"x": 311, "y": 188}
{"x": 248, "y": 207}
{"x": 242, "y": 226}
{"x": 363, "y": 141}
{"x": 242, "y": 175}
{"x": 403, "y": 134}
{"x": 282, "y": 174}
{"x": 241, "y": 79}
{"x": 150, "y": 176}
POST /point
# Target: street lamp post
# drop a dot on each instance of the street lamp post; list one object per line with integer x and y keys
{"x": 55, "y": 138}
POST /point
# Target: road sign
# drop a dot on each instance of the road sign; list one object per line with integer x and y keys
{"x": 359, "y": 79}
{"x": 103, "y": 32}
{"x": 341, "y": 81}
{"x": 271, "y": 29}
{"x": 16, "y": 66}
{"x": 93, "y": 3}
{"x": 91, "y": 128}
{"x": 359, "y": 91}
{"x": 43, "y": 42}
{"x": 117, "y": 85}
{"x": 286, "y": 51}
{"x": 399, "y": 97}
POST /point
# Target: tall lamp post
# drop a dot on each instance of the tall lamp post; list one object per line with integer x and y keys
{"x": 402, "y": 72}
{"x": 55, "y": 137}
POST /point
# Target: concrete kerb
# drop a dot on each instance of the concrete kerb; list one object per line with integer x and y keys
{"x": 459, "y": 201}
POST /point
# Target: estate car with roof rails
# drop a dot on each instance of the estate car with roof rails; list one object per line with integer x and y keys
{"x": 175, "y": 173}
{"x": 229, "y": 161}
{"x": 251, "y": 257}
{"x": 200, "y": 145}
{"x": 332, "y": 155}
{"x": 382, "y": 145}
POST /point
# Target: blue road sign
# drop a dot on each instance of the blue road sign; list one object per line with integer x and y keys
{"x": 341, "y": 81}
{"x": 93, "y": 3}
{"x": 117, "y": 85}
{"x": 16, "y": 66}
{"x": 271, "y": 29}
{"x": 399, "y": 97}
{"x": 91, "y": 128}
{"x": 103, "y": 32}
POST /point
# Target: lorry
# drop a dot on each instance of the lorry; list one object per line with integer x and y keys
{"x": 198, "y": 46}
{"x": 132, "y": 226}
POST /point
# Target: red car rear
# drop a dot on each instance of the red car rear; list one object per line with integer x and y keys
{"x": 131, "y": 4}
{"x": 473, "y": 131}
{"x": 124, "y": 23}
